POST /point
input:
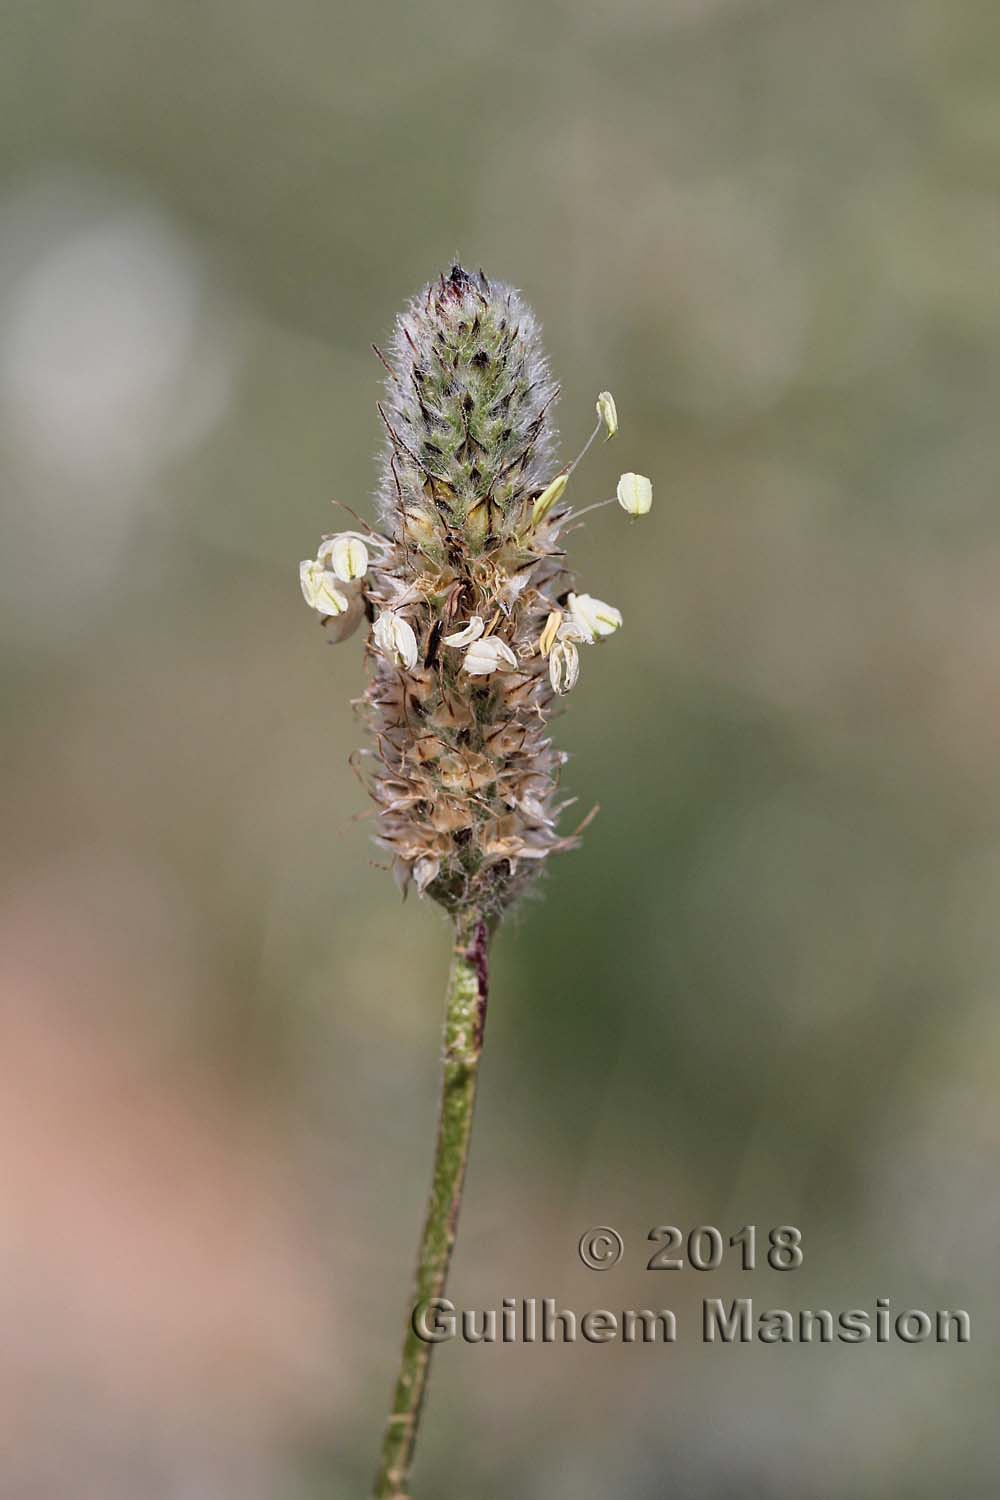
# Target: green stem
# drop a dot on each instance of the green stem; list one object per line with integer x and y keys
{"x": 465, "y": 1017}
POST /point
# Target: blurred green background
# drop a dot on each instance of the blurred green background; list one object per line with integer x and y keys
{"x": 763, "y": 992}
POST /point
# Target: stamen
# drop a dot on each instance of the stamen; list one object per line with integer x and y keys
{"x": 575, "y": 515}
{"x": 585, "y": 449}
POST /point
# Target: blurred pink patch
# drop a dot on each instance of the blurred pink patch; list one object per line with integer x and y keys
{"x": 156, "y": 1278}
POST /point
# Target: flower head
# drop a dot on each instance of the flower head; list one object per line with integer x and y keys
{"x": 474, "y": 638}
{"x": 635, "y": 494}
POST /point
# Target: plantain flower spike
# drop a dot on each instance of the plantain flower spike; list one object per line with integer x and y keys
{"x": 474, "y": 623}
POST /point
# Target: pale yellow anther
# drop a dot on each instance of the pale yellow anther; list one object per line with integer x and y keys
{"x": 348, "y": 556}
{"x": 395, "y": 639}
{"x": 551, "y": 493}
{"x": 467, "y": 634}
{"x": 608, "y": 412}
{"x": 547, "y": 639}
{"x": 635, "y": 494}
{"x": 564, "y": 667}
{"x": 491, "y": 654}
{"x": 593, "y": 617}
{"x": 319, "y": 588}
